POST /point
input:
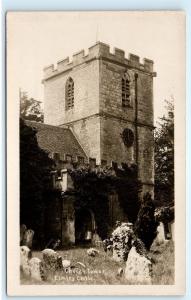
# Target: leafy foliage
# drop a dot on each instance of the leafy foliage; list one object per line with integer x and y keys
{"x": 164, "y": 214}
{"x": 128, "y": 188}
{"x": 35, "y": 167}
{"x": 146, "y": 226}
{"x": 30, "y": 109}
{"x": 93, "y": 186}
{"x": 164, "y": 158}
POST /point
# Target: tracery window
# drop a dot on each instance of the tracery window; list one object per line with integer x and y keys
{"x": 125, "y": 90}
{"x": 69, "y": 93}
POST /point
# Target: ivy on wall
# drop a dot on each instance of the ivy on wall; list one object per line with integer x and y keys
{"x": 93, "y": 185}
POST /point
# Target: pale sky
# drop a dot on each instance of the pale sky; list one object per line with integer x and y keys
{"x": 36, "y": 40}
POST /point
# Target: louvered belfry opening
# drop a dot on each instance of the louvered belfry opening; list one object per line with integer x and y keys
{"x": 69, "y": 93}
{"x": 125, "y": 90}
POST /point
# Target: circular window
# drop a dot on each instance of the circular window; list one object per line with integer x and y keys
{"x": 128, "y": 137}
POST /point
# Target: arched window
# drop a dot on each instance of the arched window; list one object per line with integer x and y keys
{"x": 125, "y": 90}
{"x": 69, "y": 93}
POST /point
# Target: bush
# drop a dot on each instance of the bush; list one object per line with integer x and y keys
{"x": 146, "y": 226}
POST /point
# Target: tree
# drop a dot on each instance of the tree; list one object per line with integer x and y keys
{"x": 145, "y": 227}
{"x": 35, "y": 167}
{"x": 164, "y": 157}
{"x": 30, "y": 109}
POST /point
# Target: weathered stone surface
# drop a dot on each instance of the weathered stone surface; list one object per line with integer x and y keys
{"x": 138, "y": 268}
{"x": 52, "y": 260}
{"x": 23, "y": 229}
{"x": 25, "y": 256}
{"x": 36, "y": 269}
{"x": 96, "y": 240}
{"x": 98, "y": 116}
{"x": 28, "y": 238}
{"x": 160, "y": 233}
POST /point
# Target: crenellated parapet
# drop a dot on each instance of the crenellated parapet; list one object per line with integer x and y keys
{"x": 62, "y": 179}
{"x": 99, "y": 51}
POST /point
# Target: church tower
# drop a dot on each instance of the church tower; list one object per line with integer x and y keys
{"x": 106, "y": 99}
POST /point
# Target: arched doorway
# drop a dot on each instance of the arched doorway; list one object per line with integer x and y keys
{"x": 84, "y": 226}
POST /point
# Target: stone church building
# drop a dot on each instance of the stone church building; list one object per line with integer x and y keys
{"x": 98, "y": 109}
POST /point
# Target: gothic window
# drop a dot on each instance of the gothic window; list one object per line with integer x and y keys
{"x": 125, "y": 90}
{"x": 69, "y": 93}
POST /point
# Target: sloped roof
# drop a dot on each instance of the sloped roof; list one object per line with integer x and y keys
{"x": 55, "y": 139}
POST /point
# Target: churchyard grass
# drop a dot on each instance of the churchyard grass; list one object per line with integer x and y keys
{"x": 101, "y": 269}
{"x": 163, "y": 268}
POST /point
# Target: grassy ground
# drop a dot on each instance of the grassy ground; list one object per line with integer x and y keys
{"x": 103, "y": 270}
{"x": 163, "y": 268}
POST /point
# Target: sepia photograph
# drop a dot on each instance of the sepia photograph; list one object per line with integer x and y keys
{"x": 95, "y": 111}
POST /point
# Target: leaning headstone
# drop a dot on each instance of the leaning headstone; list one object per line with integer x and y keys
{"x": 23, "y": 229}
{"x": 138, "y": 268}
{"x": 25, "y": 256}
{"x": 28, "y": 238}
{"x": 36, "y": 269}
{"x": 52, "y": 261}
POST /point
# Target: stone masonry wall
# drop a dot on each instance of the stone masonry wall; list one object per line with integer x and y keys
{"x": 112, "y": 146}
{"x": 86, "y": 94}
{"x": 98, "y": 117}
{"x": 88, "y": 132}
{"x": 115, "y": 118}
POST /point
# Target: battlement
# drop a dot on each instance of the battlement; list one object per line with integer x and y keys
{"x": 99, "y": 51}
{"x": 62, "y": 179}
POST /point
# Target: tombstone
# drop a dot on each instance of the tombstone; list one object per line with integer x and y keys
{"x": 138, "y": 268}
{"x": 52, "y": 260}
{"x": 36, "y": 269}
{"x": 28, "y": 238}
{"x": 96, "y": 240}
{"x": 161, "y": 233}
{"x": 25, "y": 256}
{"x": 23, "y": 229}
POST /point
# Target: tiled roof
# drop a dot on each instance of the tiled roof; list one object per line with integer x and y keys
{"x": 55, "y": 139}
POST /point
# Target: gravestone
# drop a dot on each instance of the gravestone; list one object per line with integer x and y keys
{"x": 28, "y": 238}
{"x": 25, "y": 256}
{"x": 161, "y": 233}
{"x": 36, "y": 269}
{"x": 52, "y": 261}
{"x": 138, "y": 268}
{"x": 23, "y": 229}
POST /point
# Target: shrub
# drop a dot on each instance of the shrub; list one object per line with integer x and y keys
{"x": 122, "y": 238}
{"x": 146, "y": 226}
